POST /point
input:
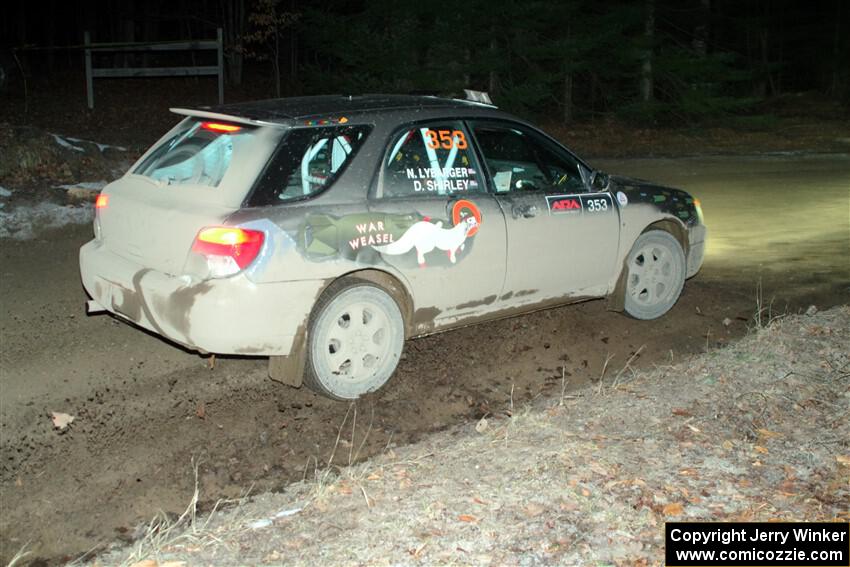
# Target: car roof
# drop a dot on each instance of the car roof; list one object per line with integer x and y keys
{"x": 284, "y": 110}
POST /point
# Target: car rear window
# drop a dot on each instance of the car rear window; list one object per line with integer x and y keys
{"x": 199, "y": 153}
{"x": 307, "y": 161}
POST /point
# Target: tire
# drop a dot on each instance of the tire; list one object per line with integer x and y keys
{"x": 354, "y": 341}
{"x": 656, "y": 275}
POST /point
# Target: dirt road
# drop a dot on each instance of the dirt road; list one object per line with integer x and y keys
{"x": 144, "y": 409}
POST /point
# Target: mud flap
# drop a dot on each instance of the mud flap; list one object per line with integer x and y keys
{"x": 289, "y": 370}
{"x": 616, "y": 300}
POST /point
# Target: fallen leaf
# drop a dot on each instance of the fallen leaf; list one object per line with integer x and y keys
{"x": 418, "y": 551}
{"x": 145, "y": 563}
{"x": 568, "y": 506}
{"x": 61, "y": 421}
{"x": 533, "y": 510}
{"x": 469, "y": 518}
{"x": 374, "y": 476}
{"x": 682, "y": 411}
{"x": 768, "y": 434}
{"x": 481, "y": 426}
{"x": 585, "y": 492}
{"x": 843, "y": 460}
{"x": 673, "y": 509}
{"x": 201, "y": 411}
{"x": 760, "y": 449}
{"x": 598, "y": 469}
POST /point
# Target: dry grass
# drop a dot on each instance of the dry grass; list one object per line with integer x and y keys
{"x": 755, "y": 431}
{"x": 18, "y": 558}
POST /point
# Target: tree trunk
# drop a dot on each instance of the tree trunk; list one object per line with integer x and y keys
{"x": 701, "y": 30}
{"x": 50, "y": 36}
{"x": 568, "y": 97}
{"x": 233, "y": 24}
{"x": 494, "y": 79}
{"x": 276, "y": 61}
{"x": 646, "y": 64}
{"x": 293, "y": 50}
{"x": 835, "y": 86}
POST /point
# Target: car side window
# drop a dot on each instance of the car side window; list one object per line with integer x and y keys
{"x": 307, "y": 161}
{"x": 518, "y": 160}
{"x": 430, "y": 159}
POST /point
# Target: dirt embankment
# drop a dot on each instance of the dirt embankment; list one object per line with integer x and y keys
{"x": 756, "y": 431}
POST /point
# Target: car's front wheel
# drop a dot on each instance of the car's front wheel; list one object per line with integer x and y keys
{"x": 656, "y": 275}
{"x": 355, "y": 340}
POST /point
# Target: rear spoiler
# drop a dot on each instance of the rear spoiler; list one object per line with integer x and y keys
{"x": 219, "y": 116}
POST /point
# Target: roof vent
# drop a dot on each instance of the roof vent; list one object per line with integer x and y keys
{"x": 477, "y": 96}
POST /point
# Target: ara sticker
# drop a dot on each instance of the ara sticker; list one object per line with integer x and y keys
{"x": 579, "y": 204}
{"x": 564, "y": 204}
{"x": 622, "y": 199}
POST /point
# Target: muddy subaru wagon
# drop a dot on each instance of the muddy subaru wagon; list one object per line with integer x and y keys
{"x": 324, "y": 231}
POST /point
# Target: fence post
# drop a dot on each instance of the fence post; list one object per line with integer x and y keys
{"x": 220, "y": 67}
{"x": 89, "y": 85}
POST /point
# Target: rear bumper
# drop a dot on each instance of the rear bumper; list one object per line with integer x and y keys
{"x": 226, "y": 316}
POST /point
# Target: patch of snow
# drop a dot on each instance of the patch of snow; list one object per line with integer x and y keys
{"x": 93, "y": 185}
{"x": 5, "y": 192}
{"x": 26, "y": 221}
{"x": 100, "y": 146}
{"x": 66, "y": 144}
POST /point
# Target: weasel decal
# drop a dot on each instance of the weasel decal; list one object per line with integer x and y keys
{"x": 425, "y": 236}
{"x": 369, "y": 238}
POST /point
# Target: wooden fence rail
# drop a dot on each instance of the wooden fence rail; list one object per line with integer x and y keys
{"x": 184, "y": 71}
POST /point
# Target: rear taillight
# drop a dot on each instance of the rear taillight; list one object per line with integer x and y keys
{"x": 99, "y": 205}
{"x": 228, "y": 249}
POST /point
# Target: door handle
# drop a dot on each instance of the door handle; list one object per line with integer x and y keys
{"x": 524, "y": 211}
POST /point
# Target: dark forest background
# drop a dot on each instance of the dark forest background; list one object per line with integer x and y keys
{"x": 652, "y": 61}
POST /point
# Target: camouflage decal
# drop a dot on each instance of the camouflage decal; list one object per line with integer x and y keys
{"x": 672, "y": 201}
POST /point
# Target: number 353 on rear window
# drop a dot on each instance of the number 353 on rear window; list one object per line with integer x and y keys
{"x": 446, "y": 139}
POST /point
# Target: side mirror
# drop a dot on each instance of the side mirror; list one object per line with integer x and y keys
{"x": 599, "y": 181}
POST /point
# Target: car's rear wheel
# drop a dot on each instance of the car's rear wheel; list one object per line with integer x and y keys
{"x": 656, "y": 275}
{"x": 355, "y": 340}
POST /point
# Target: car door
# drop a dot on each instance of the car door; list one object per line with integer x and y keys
{"x": 445, "y": 233}
{"x": 562, "y": 237}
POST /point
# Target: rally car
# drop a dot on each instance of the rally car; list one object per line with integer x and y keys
{"x": 324, "y": 231}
